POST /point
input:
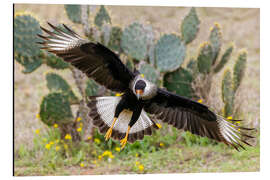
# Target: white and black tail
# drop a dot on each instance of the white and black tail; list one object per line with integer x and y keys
{"x": 102, "y": 111}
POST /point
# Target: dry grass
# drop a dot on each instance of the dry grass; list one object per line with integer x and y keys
{"x": 240, "y": 26}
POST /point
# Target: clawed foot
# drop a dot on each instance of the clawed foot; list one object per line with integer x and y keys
{"x": 108, "y": 134}
{"x": 123, "y": 142}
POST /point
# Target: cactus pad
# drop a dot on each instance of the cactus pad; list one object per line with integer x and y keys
{"x": 215, "y": 40}
{"x": 91, "y": 88}
{"x": 227, "y": 92}
{"x": 55, "y": 108}
{"x": 134, "y": 41}
{"x": 205, "y": 58}
{"x": 74, "y": 13}
{"x": 170, "y": 53}
{"x": 105, "y": 34}
{"x": 56, "y": 62}
{"x": 56, "y": 83}
{"x": 224, "y": 59}
{"x": 190, "y": 26}
{"x": 179, "y": 82}
{"x": 239, "y": 69}
{"x": 149, "y": 72}
{"x": 26, "y": 51}
{"x": 102, "y": 16}
{"x": 115, "y": 39}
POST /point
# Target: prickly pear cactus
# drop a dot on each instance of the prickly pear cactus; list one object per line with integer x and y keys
{"x": 149, "y": 72}
{"x": 227, "y": 93}
{"x": 91, "y": 88}
{"x": 55, "y": 62}
{"x": 102, "y": 17}
{"x": 224, "y": 59}
{"x": 26, "y": 51}
{"x": 74, "y": 12}
{"x": 115, "y": 39}
{"x": 239, "y": 69}
{"x": 205, "y": 58}
{"x": 215, "y": 40}
{"x": 105, "y": 34}
{"x": 179, "y": 82}
{"x": 130, "y": 64}
{"x": 190, "y": 26}
{"x": 56, "y": 83}
{"x": 134, "y": 41}
{"x": 55, "y": 108}
{"x": 170, "y": 53}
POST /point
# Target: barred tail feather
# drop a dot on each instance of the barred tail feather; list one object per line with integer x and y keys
{"x": 102, "y": 111}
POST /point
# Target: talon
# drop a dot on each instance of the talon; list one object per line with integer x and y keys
{"x": 123, "y": 141}
{"x": 108, "y": 134}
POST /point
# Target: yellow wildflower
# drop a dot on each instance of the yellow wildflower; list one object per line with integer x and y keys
{"x": 81, "y": 124}
{"x": 94, "y": 162}
{"x": 38, "y": 116}
{"x": 119, "y": 94}
{"x": 89, "y": 137}
{"x": 78, "y": 119}
{"x": 117, "y": 149}
{"x": 230, "y": 117}
{"x": 65, "y": 146}
{"x": 111, "y": 156}
{"x": 161, "y": 144}
{"x": 56, "y": 141}
{"x": 159, "y": 125}
{"x": 57, "y": 148}
{"x": 141, "y": 167}
{"x": 48, "y": 146}
{"x": 99, "y": 157}
{"x": 97, "y": 140}
{"x": 200, "y": 101}
{"x": 37, "y": 131}
{"x": 142, "y": 75}
{"x": 51, "y": 142}
{"x": 81, "y": 164}
{"x": 137, "y": 163}
{"x": 68, "y": 136}
{"x": 137, "y": 155}
{"x": 55, "y": 125}
{"x": 79, "y": 129}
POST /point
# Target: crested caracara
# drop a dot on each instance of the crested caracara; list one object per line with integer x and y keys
{"x": 126, "y": 117}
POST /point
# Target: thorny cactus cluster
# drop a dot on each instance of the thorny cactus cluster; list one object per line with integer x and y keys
{"x": 160, "y": 59}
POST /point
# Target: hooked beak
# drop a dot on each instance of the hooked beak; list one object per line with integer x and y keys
{"x": 139, "y": 92}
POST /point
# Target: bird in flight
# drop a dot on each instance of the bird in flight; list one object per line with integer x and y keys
{"x": 126, "y": 117}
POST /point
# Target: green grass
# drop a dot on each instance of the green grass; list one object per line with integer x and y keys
{"x": 174, "y": 152}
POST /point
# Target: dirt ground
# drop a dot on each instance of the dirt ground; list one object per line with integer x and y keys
{"x": 241, "y": 26}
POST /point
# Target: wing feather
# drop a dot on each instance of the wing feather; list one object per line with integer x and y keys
{"x": 94, "y": 59}
{"x": 192, "y": 116}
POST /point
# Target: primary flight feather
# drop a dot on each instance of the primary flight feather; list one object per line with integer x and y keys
{"x": 125, "y": 117}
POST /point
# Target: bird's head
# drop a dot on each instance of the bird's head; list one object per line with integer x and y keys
{"x": 139, "y": 88}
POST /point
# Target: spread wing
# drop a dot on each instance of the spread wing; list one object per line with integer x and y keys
{"x": 95, "y": 60}
{"x": 192, "y": 116}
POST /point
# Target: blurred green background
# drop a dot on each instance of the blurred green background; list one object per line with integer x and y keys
{"x": 172, "y": 153}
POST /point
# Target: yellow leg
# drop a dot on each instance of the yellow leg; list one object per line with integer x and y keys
{"x": 109, "y": 132}
{"x": 123, "y": 142}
